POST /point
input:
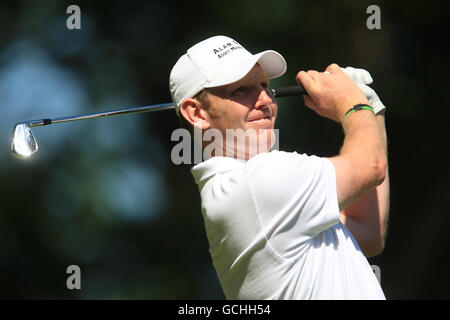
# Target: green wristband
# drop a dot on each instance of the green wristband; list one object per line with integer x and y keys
{"x": 357, "y": 108}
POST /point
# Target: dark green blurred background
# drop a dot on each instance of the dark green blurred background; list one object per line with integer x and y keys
{"x": 103, "y": 194}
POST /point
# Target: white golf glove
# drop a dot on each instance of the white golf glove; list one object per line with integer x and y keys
{"x": 363, "y": 78}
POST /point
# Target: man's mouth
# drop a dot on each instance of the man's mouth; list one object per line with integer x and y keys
{"x": 260, "y": 118}
{"x": 261, "y": 122}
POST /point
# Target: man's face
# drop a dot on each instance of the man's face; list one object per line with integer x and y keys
{"x": 245, "y": 104}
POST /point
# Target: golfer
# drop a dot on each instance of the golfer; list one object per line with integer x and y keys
{"x": 284, "y": 225}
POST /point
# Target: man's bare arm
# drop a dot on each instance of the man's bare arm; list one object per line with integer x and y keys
{"x": 361, "y": 164}
{"x": 367, "y": 218}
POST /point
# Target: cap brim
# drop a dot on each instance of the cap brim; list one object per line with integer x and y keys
{"x": 270, "y": 61}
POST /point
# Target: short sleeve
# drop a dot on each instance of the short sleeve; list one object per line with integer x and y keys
{"x": 295, "y": 197}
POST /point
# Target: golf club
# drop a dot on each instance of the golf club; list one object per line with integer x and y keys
{"x": 23, "y": 143}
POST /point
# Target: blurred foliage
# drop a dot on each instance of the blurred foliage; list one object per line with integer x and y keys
{"x": 103, "y": 194}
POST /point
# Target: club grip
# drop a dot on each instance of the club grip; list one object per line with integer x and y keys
{"x": 288, "y": 91}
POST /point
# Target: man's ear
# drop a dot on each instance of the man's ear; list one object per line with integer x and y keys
{"x": 192, "y": 111}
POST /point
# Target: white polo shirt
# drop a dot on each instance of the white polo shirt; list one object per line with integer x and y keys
{"x": 274, "y": 232}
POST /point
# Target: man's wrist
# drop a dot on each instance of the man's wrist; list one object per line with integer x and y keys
{"x": 358, "y": 107}
{"x": 345, "y": 108}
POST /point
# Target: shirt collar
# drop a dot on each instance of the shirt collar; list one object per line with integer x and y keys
{"x": 207, "y": 169}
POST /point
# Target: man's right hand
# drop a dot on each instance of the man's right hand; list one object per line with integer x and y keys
{"x": 331, "y": 93}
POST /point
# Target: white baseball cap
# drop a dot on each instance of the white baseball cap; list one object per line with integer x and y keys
{"x": 218, "y": 61}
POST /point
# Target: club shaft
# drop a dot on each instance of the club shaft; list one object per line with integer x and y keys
{"x": 278, "y": 93}
{"x": 157, "y": 107}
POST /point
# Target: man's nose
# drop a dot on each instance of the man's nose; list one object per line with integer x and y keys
{"x": 264, "y": 98}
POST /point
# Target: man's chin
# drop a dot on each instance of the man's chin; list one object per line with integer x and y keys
{"x": 241, "y": 144}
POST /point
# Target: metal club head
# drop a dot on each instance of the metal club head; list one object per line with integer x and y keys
{"x": 23, "y": 143}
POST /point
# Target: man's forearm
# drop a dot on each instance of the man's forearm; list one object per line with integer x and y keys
{"x": 364, "y": 150}
{"x": 381, "y": 190}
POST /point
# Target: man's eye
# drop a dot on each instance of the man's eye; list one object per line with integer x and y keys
{"x": 240, "y": 90}
{"x": 265, "y": 85}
